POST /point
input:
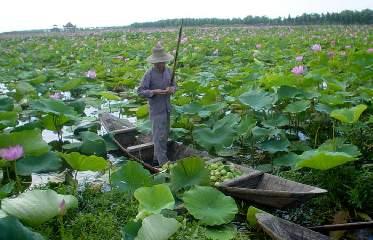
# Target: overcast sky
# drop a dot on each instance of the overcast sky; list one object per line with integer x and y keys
{"x": 38, "y": 14}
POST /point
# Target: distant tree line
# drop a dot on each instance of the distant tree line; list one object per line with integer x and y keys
{"x": 345, "y": 17}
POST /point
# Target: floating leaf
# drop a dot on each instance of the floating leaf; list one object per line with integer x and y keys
{"x": 81, "y": 162}
{"x": 153, "y": 199}
{"x": 45, "y": 163}
{"x": 349, "y": 115}
{"x": 323, "y": 160}
{"x": 37, "y": 206}
{"x": 257, "y": 100}
{"x": 131, "y": 176}
{"x": 209, "y": 205}
{"x": 297, "y": 107}
{"x": 12, "y": 228}
{"x": 225, "y": 232}
{"x": 189, "y": 172}
{"x": 157, "y": 227}
{"x": 30, "y": 140}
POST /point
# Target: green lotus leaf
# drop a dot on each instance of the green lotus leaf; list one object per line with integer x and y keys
{"x": 12, "y": 228}
{"x": 278, "y": 120}
{"x": 23, "y": 88}
{"x": 157, "y": 227}
{"x": 209, "y": 205}
{"x": 71, "y": 84}
{"x": 338, "y": 145}
{"x": 257, "y": 100}
{"x": 45, "y": 163}
{"x": 297, "y": 107}
{"x": 275, "y": 145}
{"x": 228, "y": 121}
{"x": 30, "y": 140}
{"x": 131, "y": 229}
{"x": 53, "y": 106}
{"x": 290, "y": 160}
{"x": 92, "y": 144}
{"x": 320, "y": 107}
{"x": 323, "y": 160}
{"x": 81, "y": 162}
{"x": 349, "y": 115}
{"x": 109, "y": 95}
{"x": 286, "y": 92}
{"x": 6, "y": 103}
{"x": 189, "y": 172}
{"x": 191, "y": 108}
{"x": 250, "y": 216}
{"x": 153, "y": 199}
{"x": 142, "y": 111}
{"x": 8, "y": 119}
{"x": 265, "y": 132}
{"x": 37, "y": 206}
{"x": 54, "y": 122}
{"x": 225, "y": 232}
{"x": 6, "y": 189}
{"x": 214, "y": 138}
{"x": 332, "y": 100}
{"x": 130, "y": 177}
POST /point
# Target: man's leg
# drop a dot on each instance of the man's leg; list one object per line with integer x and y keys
{"x": 160, "y": 127}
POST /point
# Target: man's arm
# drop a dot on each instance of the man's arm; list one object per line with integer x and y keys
{"x": 144, "y": 88}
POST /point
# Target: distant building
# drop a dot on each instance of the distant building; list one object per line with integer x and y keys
{"x": 69, "y": 27}
{"x": 55, "y": 28}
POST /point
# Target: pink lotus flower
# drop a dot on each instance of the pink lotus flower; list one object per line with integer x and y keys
{"x": 299, "y": 58}
{"x": 11, "y": 153}
{"x": 370, "y": 50}
{"x": 91, "y": 74}
{"x": 316, "y": 47}
{"x": 56, "y": 95}
{"x": 62, "y": 207}
{"x": 298, "y": 70}
{"x": 258, "y": 46}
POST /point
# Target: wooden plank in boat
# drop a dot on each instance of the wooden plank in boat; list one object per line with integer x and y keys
{"x": 140, "y": 147}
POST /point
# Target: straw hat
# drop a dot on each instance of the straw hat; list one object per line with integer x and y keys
{"x": 159, "y": 55}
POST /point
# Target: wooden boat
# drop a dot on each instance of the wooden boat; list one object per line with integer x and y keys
{"x": 280, "y": 229}
{"x": 268, "y": 189}
{"x": 140, "y": 146}
{"x": 252, "y": 186}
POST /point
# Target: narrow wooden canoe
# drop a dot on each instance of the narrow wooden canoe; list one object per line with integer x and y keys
{"x": 253, "y": 185}
{"x": 280, "y": 229}
{"x": 140, "y": 146}
{"x": 268, "y": 189}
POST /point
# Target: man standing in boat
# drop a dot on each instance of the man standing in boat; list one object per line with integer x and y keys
{"x": 157, "y": 87}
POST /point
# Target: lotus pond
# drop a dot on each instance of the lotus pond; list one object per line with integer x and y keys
{"x": 291, "y": 101}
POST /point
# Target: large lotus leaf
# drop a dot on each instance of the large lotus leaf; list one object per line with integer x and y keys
{"x": 349, "y": 115}
{"x": 285, "y": 92}
{"x": 92, "y": 144}
{"x": 6, "y": 103}
{"x": 275, "y": 145}
{"x": 45, "y": 163}
{"x": 297, "y": 107}
{"x": 276, "y": 121}
{"x": 157, "y": 227}
{"x": 71, "y": 84}
{"x": 225, "y": 232}
{"x": 109, "y": 96}
{"x": 142, "y": 111}
{"x": 6, "y": 189}
{"x": 338, "y": 145}
{"x": 54, "y": 122}
{"x": 24, "y": 88}
{"x": 130, "y": 230}
{"x": 209, "y": 205}
{"x": 250, "y": 216}
{"x": 12, "y": 229}
{"x": 189, "y": 172}
{"x": 81, "y": 162}
{"x": 53, "y": 106}
{"x": 332, "y": 100}
{"x": 78, "y": 105}
{"x": 257, "y": 100}
{"x": 290, "y": 160}
{"x": 214, "y": 138}
{"x": 191, "y": 108}
{"x": 320, "y": 107}
{"x": 265, "y": 132}
{"x": 153, "y": 199}
{"x": 323, "y": 160}
{"x": 8, "y": 119}
{"x": 228, "y": 121}
{"x": 30, "y": 140}
{"x": 37, "y": 206}
{"x": 131, "y": 176}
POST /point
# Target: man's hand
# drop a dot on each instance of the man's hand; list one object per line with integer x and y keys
{"x": 159, "y": 91}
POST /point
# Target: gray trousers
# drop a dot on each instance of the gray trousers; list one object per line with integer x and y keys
{"x": 160, "y": 130}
